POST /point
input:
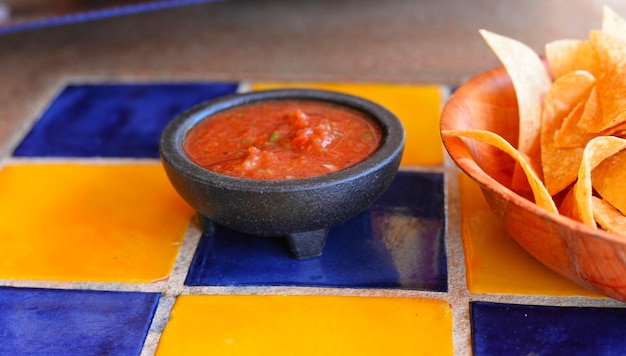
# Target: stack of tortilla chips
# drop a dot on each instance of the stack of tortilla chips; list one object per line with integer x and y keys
{"x": 572, "y": 123}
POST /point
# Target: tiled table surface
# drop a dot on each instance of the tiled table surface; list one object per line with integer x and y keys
{"x": 99, "y": 255}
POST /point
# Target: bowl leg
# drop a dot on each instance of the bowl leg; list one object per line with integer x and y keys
{"x": 207, "y": 226}
{"x": 307, "y": 244}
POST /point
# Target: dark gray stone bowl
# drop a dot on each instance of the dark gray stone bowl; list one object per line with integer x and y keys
{"x": 300, "y": 209}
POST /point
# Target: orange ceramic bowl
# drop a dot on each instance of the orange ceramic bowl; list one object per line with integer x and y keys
{"x": 593, "y": 258}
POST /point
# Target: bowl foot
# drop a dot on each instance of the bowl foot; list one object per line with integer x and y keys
{"x": 302, "y": 245}
{"x": 307, "y": 244}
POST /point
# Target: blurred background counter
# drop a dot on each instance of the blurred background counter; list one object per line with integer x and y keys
{"x": 46, "y": 44}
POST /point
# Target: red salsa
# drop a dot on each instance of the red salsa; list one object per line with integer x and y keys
{"x": 282, "y": 139}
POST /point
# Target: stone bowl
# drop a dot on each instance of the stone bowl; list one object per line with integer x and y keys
{"x": 302, "y": 209}
{"x": 593, "y": 258}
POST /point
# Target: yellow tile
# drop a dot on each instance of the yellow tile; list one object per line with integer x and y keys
{"x": 417, "y": 106}
{"x": 307, "y": 325}
{"x": 495, "y": 263}
{"x": 77, "y": 222}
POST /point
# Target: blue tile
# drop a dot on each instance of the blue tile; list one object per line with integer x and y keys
{"x": 73, "y": 322}
{"x": 116, "y": 120}
{"x": 90, "y": 15}
{"x": 397, "y": 243}
{"x": 508, "y": 329}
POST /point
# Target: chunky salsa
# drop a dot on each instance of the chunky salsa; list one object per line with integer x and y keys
{"x": 282, "y": 139}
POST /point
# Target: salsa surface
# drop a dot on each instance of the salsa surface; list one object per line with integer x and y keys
{"x": 282, "y": 139}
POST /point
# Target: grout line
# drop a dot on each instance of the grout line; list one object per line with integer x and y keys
{"x": 556, "y": 301}
{"x": 151, "y": 343}
{"x": 312, "y": 291}
{"x": 40, "y": 106}
{"x": 457, "y": 274}
{"x": 174, "y": 287}
{"x": 458, "y": 294}
{"x": 244, "y": 87}
{"x": 424, "y": 169}
{"x": 159, "y": 321}
{"x": 185, "y": 257}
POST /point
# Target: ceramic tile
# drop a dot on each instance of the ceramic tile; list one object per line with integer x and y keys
{"x": 495, "y": 263}
{"x": 307, "y": 325}
{"x": 86, "y": 222}
{"x": 510, "y": 329}
{"x": 397, "y": 243}
{"x": 417, "y": 106}
{"x": 74, "y": 322}
{"x": 113, "y": 120}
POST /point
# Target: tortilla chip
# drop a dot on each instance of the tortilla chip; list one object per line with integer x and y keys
{"x": 530, "y": 81}
{"x": 569, "y": 135}
{"x": 593, "y": 111}
{"x": 617, "y": 131}
{"x": 560, "y": 165}
{"x": 540, "y": 193}
{"x": 566, "y": 56}
{"x": 597, "y": 150}
{"x": 611, "y": 84}
{"x": 612, "y": 23}
{"x": 609, "y": 180}
{"x": 609, "y": 218}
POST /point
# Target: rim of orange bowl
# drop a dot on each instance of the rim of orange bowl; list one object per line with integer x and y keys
{"x": 476, "y": 173}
